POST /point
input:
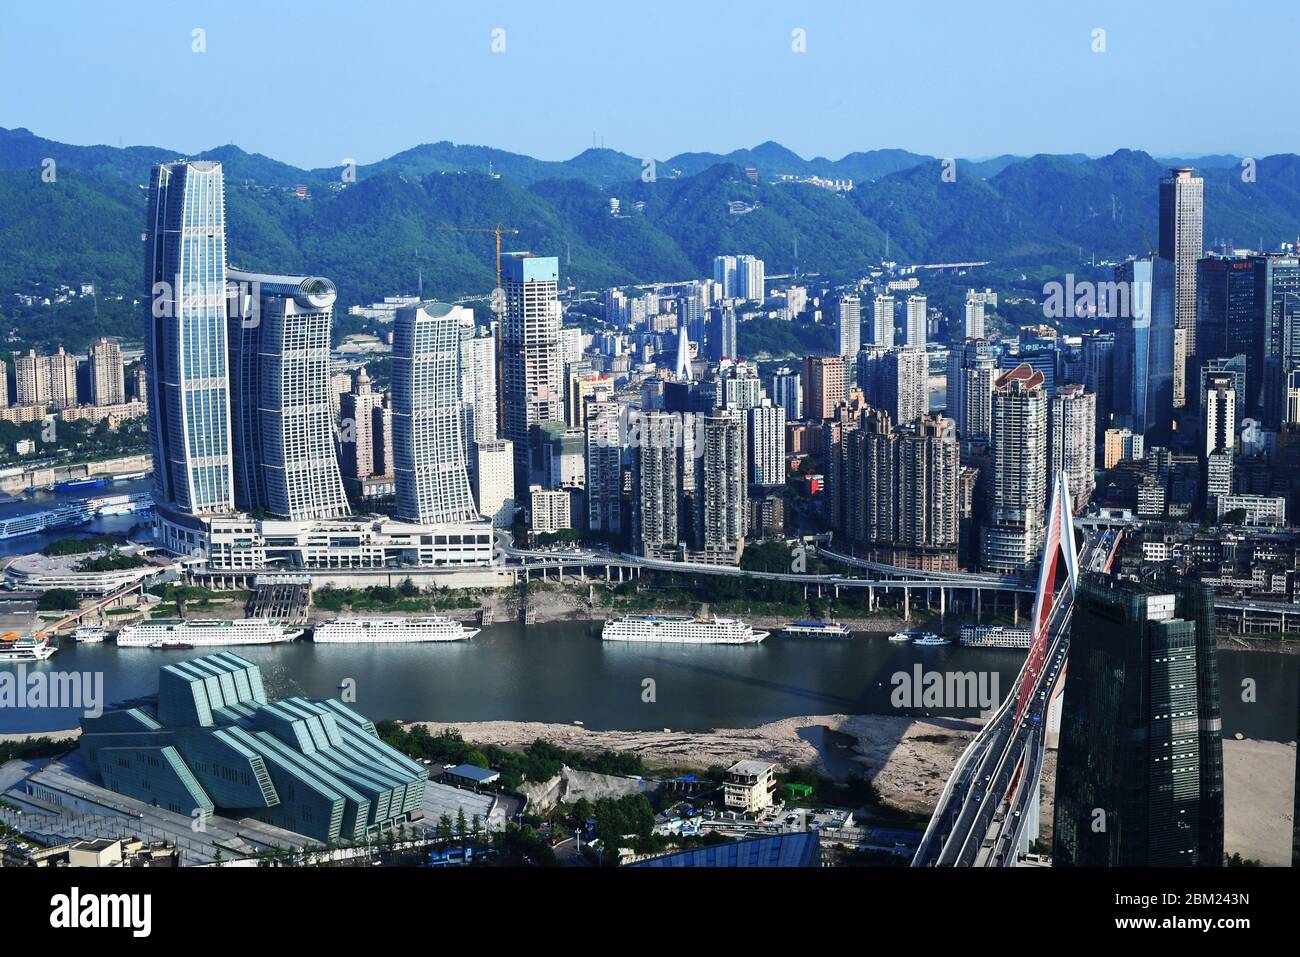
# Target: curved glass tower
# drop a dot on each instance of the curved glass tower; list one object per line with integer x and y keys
{"x": 185, "y": 342}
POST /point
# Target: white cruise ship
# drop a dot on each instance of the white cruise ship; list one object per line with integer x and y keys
{"x": 202, "y": 633}
{"x": 90, "y": 634}
{"x": 681, "y": 629}
{"x": 355, "y": 631}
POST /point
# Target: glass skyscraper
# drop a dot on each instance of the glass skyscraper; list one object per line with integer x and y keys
{"x": 185, "y": 342}
{"x": 1140, "y": 770}
{"x": 1144, "y": 348}
{"x": 428, "y": 439}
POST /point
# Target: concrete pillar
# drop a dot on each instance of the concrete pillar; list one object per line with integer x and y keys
{"x": 871, "y": 598}
{"x": 1015, "y": 604}
{"x": 907, "y": 605}
{"x": 943, "y": 602}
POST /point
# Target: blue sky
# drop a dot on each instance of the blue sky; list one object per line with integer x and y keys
{"x": 315, "y": 83}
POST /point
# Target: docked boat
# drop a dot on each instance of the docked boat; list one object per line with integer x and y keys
{"x": 46, "y": 520}
{"x": 201, "y": 633}
{"x": 901, "y": 636}
{"x": 360, "y": 631}
{"x": 681, "y": 629}
{"x": 930, "y": 639}
{"x": 79, "y": 485}
{"x": 818, "y": 629}
{"x": 27, "y": 648}
{"x": 90, "y": 634}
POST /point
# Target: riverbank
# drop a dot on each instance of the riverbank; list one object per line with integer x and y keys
{"x": 1239, "y": 643}
{"x": 1258, "y": 791}
{"x": 908, "y": 759}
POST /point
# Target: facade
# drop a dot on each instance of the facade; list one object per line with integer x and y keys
{"x": 823, "y": 385}
{"x": 495, "y": 482}
{"x": 604, "y": 437}
{"x": 549, "y": 510}
{"x": 211, "y": 742}
{"x": 1220, "y": 413}
{"x": 1012, "y": 537}
{"x": 767, "y": 444}
{"x": 1072, "y": 445}
{"x": 360, "y": 443}
{"x": 1141, "y": 738}
{"x": 1144, "y": 349}
{"x": 46, "y": 380}
{"x": 896, "y": 380}
{"x": 478, "y": 392}
{"x": 973, "y": 316}
{"x": 1181, "y": 243}
{"x": 107, "y": 372}
{"x": 722, "y": 333}
{"x": 533, "y": 390}
{"x": 655, "y": 494}
{"x": 1098, "y": 356}
{"x": 429, "y": 468}
{"x": 750, "y": 279}
{"x": 1121, "y": 444}
{"x": 282, "y": 421}
{"x": 185, "y": 341}
{"x": 722, "y": 511}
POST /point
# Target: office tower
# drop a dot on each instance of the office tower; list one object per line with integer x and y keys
{"x": 533, "y": 389}
{"x": 823, "y": 385}
{"x": 896, "y": 380}
{"x": 1121, "y": 444}
{"x": 848, "y": 325}
{"x": 1099, "y": 372}
{"x": 185, "y": 340}
{"x": 429, "y": 469}
{"x": 1293, "y": 397}
{"x": 550, "y": 510}
{"x": 1234, "y": 369}
{"x": 972, "y": 370}
{"x": 722, "y": 333}
{"x": 767, "y": 444}
{"x": 882, "y": 322}
{"x": 495, "y": 482}
{"x": 1220, "y": 413}
{"x": 562, "y": 453}
{"x": 1140, "y": 731}
{"x": 655, "y": 487}
{"x": 1277, "y": 295}
{"x": 107, "y": 373}
{"x": 1040, "y": 354}
{"x": 787, "y": 392}
{"x": 750, "y": 280}
{"x": 605, "y": 468}
{"x": 357, "y": 421}
{"x": 724, "y": 274}
{"x": 1229, "y": 322}
{"x": 914, "y": 331}
{"x": 1073, "y": 442}
{"x": 1144, "y": 349}
{"x": 1182, "y": 214}
{"x": 973, "y": 316}
{"x": 478, "y": 391}
{"x": 1013, "y": 534}
{"x": 281, "y": 412}
{"x": 720, "y": 487}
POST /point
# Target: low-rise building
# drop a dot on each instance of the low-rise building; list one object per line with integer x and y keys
{"x": 748, "y": 786}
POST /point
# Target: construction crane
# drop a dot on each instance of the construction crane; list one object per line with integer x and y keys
{"x": 498, "y": 304}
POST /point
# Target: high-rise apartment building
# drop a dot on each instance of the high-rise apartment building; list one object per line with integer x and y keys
{"x": 429, "y": 469}
{"x": 655, "y": 492}
{"x": 750, "y": 279}
{"x": 185, "y": 341}
{"x": 1220, "y": 413}
{"x": 360, "y": 433}
{"x": 533, "y": 390}
{"x": 495, "y": 482}
{"x": 973, "y": 315}
{"x": 1073, "y": 442}
{"x": 722, "y": 509}
{"x": 282, "y": 416}
{"x": 724, "y": 274}
{"x": 107, "y": 372}
{"x": 767, "y": 444}
{"x": 478, "y": 393}
{"x": 1098, "y": 356}
{"x": 1013, "y": 534}
{"x": 1181, "y": 243}
{"x": 972, "y": 371}
{"x": 787, "y": 392}
{"x": 1139, "y": 780}
{"x": 823, "y": 385}
{"x": 848, "y": 325}
{"x": 896, "y": 380}
{"x": 914, "y": 331}
{"x": 882, "y": 322}
{"x": 605, "y": 468}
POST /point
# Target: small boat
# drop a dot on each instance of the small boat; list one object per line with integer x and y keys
{"x": 901, "y": 636}
{"x": 90, "y": 634}
{"x": 28, "y": 648}
{"x": 930, "y": 639}
{"x": 818, "y": 629}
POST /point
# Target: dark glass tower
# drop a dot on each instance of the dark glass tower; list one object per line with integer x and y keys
{"x": 1140, "y": 771}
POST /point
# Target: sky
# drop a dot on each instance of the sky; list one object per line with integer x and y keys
{"x": 317, "y": 83}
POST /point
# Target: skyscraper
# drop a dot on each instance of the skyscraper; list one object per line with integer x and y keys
{"x": 282, "y": 419}
{"x": 429, "y": 468}
{"x": 787, "y": 392}
{"x": 823, "y": 385}
{"x": 1182, "y": 216}
{"x": 478, "y": 391}
{"x": 914, "y": 332}
{"x": 882, "y": 322}
{"x": 605, "y": 468}
{"x": 848, "y": 325}
{"x": 494, "y": 482}
{"x": 1099, "y": 373}
{"x": 896, "y": 380}
{"x": 722, "y": 332}
{"x": 1073, "y": 442}
{"x": 1220, "y": 413}
{"x": 1144, "y": 349}
{"x": 107, "y": 373}
{"x": 973, "y": 316}
{"x": 722, "y": 508}
{"x": 1013, "y": 535}
{"x": 358, "y": 409}
{"x": 185, "y": 341}
{"x": 1139, "y": 779}
{"x": 655, "y": 492}
{"x": 750, "y": 279}
{"x": 724, "y": 274}
{"x": 533, "y": 389}
{"x": 767, "y": 444}
{"x": 972, "y": 372}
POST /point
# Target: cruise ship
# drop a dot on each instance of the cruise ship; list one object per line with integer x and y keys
{"x": 203, "y": 633}
{"x": 46, "y": 520}
{"x": 29, "y": 648}
{"x": 818, "y": 629}
{"x": 90, "y": 634}
{"x": 359, "y": 631}
{"x": 681, "y": 629}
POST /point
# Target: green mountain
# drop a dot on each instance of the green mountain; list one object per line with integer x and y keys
{"x": 387, "y": 232}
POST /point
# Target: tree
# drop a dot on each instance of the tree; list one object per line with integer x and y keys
{"x": 58, "y": 599}
{"x": 462, "y": 829}
{"x": 444, "y": 829}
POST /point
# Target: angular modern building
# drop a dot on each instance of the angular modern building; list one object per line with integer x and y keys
{"x": 185, "y": 341}
{"x": 1181, "y": 243}
{"x": 210, "y": 742}
{"x": 282, "y": 421}
{"x": 1143, "y": 399}
{"x": 533, "y": 387}
{"x": 1139, "y": 779}
{"x": 428, "y": 441}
